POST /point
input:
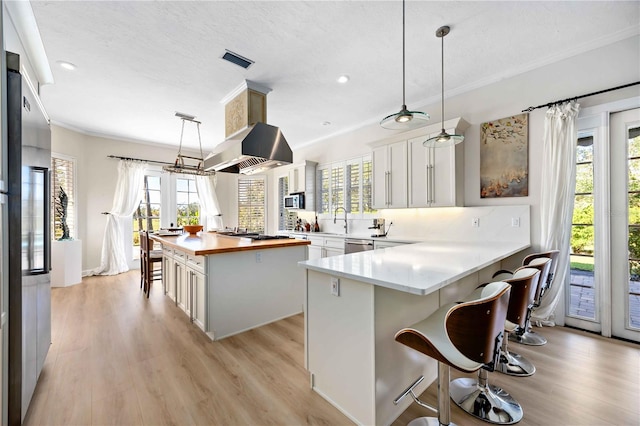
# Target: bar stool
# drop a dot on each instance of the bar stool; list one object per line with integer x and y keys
{"x": 465, "y": 336}
{"x": 524, "y": 284}
{"x": 526, "y": 335}
{"x": 149, "y": 257}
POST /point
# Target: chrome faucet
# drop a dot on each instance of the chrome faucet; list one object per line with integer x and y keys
{"x": 335, "y": 214}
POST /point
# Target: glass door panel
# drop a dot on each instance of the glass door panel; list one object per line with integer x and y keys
{"x": 625, "y": 224}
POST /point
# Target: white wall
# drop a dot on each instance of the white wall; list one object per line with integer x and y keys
{"x": 599, "y": 69}
{"x": 96, "y": 180}
{"x": 591, "y": 71}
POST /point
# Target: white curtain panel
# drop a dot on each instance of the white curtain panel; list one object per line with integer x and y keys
{"x": 125, "y": 202}
{"x": 557, "y": 196}
{"x": 206, "y": 187}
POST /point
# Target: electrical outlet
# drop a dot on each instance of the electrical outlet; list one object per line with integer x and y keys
{"x": 475, "y": 222}
{"x": 515, "y": 222}
{"x": 258, "y": 257}
{"x": 335, "y": 286}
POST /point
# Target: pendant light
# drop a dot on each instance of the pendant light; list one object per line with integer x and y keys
{"x": 443, "y": 139}
{"x": 179, "y": 166}
{"x": 404, "y": 119}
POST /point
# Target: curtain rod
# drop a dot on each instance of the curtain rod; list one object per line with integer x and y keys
{"x": 139, "y": 159}
{"x": 581, "y": 96}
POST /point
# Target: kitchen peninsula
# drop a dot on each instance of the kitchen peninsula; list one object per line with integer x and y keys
{"x": 227, "y": 285}
{"x": 355, "y": 303}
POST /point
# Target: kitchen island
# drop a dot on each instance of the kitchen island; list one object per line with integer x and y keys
{"x": 227, "y": 285}
{"x": 356, "y": 303}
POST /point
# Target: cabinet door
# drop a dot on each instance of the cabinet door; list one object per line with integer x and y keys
{"x": 398, "y": 175}
{"x": 419, "y": 173}
{"x": 169, "y": 276}
{"x": 332, "y": 251}
{"x": 380, "y": 177}
{"x": 297, "y": 179}
{"x": 182, "y": 285}
{"x": 444, "y": 180}
{"x": 315, "y": 252}
{"x": 199, "y": 299}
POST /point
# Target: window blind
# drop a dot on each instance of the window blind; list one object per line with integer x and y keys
{"x": 251, "y": 204}
{"x": 63, "y": 178}
{"x": 287, "y": 219}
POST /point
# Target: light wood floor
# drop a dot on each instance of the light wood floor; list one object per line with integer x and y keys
{"x": 118, "y": 358}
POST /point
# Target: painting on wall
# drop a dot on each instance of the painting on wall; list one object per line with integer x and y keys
{"x": 504, "y": 157}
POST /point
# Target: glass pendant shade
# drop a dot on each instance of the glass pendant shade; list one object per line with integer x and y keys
{"x": 442, "y": 139}
{"x": 404, "y": 119}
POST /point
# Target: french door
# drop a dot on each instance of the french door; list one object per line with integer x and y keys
{"x": 603, "y": 292}
{"x": 625, "y": 224}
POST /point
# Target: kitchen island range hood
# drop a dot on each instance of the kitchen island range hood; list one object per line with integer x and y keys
{"x": 251, "y": 146}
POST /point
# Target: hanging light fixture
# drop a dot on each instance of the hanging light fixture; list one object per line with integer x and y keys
{"x": 404, "y": 119}
{"x": 443, "y": 139}
{"x": 179, "y": 166}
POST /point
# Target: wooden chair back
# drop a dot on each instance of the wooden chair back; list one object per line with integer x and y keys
{"x": 524, "y": 286}
{"x": 543, "y": 264}
{"x": 476, "y": 327}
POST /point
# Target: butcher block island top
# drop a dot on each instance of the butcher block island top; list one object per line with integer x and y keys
{"x": 206, "y": 243}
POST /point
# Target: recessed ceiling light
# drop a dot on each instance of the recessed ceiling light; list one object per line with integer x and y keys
{"x": 343, "y": 79}
{"x": 67, "y": 65}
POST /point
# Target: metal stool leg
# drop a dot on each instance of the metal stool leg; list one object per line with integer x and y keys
{"x": 444, "y": 405}
{"x": 486, "y": 402}
{"x": 513, "y": 364}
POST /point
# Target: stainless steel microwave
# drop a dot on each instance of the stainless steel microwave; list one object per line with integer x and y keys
{"x": 294, "y": 201}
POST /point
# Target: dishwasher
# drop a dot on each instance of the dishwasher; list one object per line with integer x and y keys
{"x": 355, "y": 246}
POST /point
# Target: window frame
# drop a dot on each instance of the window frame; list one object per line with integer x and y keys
{"x": 265, "y": 200}
{"x": 361, "y": 214}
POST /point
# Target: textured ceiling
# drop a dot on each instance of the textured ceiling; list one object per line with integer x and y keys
{"x": 140, "y": 61}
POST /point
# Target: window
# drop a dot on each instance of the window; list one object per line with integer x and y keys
{"x": 252, "y": 204}
{"x": 187, "y": 202}
{"x": 323, "y": 186}
{"x": 346, "y": 185}
{"x": 582, "y": 303}
{"x": 147, "y": 215}
{"x": 287, "y": 219}
{"x": 63, "y": 182}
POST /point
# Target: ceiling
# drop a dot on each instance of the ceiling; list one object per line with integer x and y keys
{"x": 138, "y": 62}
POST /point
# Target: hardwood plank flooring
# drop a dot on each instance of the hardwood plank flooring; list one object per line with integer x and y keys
{"x": 118, "y": 358}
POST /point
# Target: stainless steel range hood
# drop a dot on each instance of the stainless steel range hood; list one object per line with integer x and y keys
{"x": 256, "y": 149}
{"x": 251, "y": 145}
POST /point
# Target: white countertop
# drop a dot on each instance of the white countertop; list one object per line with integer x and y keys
{"x": 420, "y": 268}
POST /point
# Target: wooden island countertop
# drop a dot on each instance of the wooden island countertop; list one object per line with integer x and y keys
{"x": 205, "y": 243}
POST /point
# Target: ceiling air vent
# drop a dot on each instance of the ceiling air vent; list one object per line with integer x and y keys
{"x": 234, "y": 58}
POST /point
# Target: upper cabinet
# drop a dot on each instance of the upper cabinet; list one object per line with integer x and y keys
{"x": 436, "y": 175}
{"x": 390, "y": 176}
{"x": 302, "y": 179}
{"x": 406, "y": 174}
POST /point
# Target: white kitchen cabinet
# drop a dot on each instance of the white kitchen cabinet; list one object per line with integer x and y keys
{"x": 390, "y": 176}
{"x": 182, "y": 285}
{"x": 302, "y": 179}
{"x": 297, "y": 180}
{"x": 168, "y": 272}
{"x": 315, "y": 252}
{"x": 198, "y": 296}
{"x": 322, "y": 246}
{"x": 196, "y": 290}
{"x": 332, "y": 251}
{"x": 435, "y": 174}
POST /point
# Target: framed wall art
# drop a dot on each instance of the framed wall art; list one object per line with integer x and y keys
{"x": 504, "y": 157}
